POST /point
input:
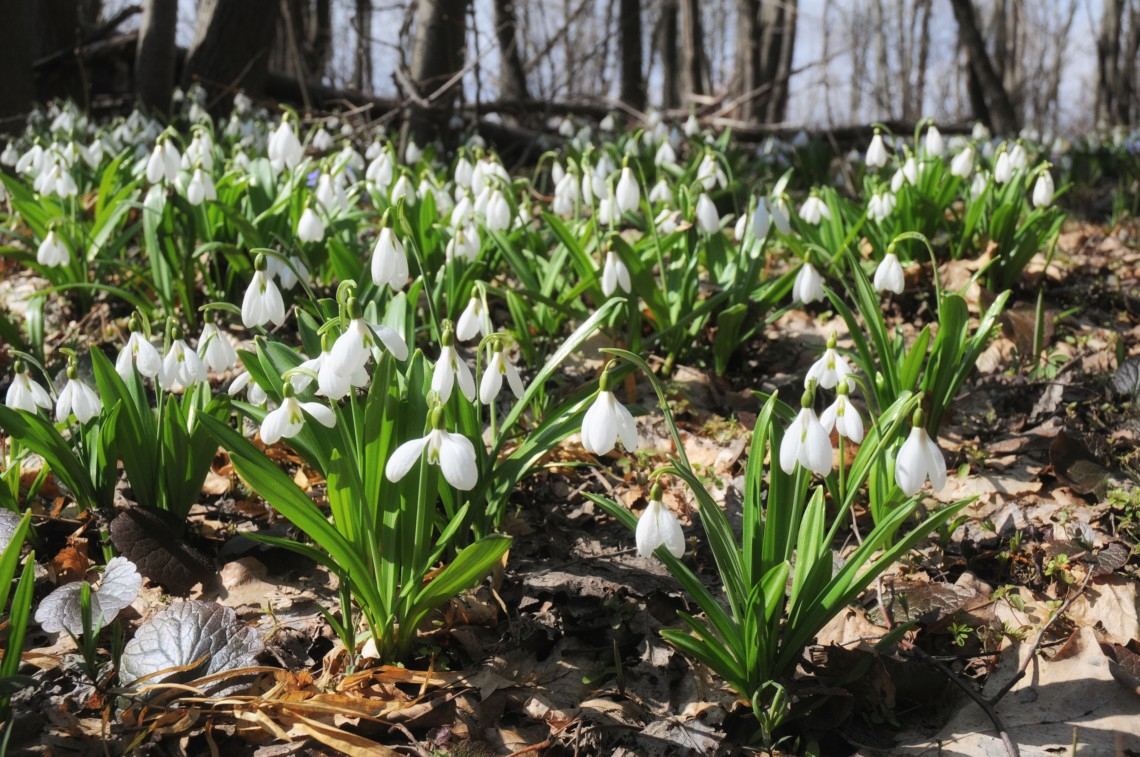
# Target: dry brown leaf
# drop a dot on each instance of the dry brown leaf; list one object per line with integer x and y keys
{"x": 71, "y": 564}
{"x": 1112, "y": 604}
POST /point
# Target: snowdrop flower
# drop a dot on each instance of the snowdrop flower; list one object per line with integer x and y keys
{"x": 78, "y": 398}
{"x": 889, "y": 274}
{"x": 565, "y": 196}
{"x": 1043, "y": 190}
{"x": 843, "y": 417}
{"x": 805, "y": 442}
{"x": 779, "y": 214}
{"x": 978, "y": 184}
{"x": 344, "y": 366}
{"x": 566, "y": 128}
{"x": 181, "y": 368}
{"x": 52, "y": 251}
{"x": 164, "y": 162}
{"x": 262, "y": 303}
{"x": 200, "y": 188}
{"x": 876, "y": 152}
{"x": 322, "y": 140}
{"x": 285, "y": 149}
{"x": 492, "y": 381}
{"x": 403, "y": 190}
{"x": 9, "y": 157}
{"x": 473, "y": 321}
{"x": 740, "y": 230}
{"x": 453, "y": 453}
{"x": 661, "y": 192}
{"x": 808, "y": 286}
{"x": 761, "y": 219}
{"x": 497, "y": 212}
{"x": 287, "y": 273}
{"x": 139, "y": 354}
{"x": 389, "y": 262}
{"x": 830, "y": 369}
{"x": 934, "y": 145}
{"x": 814, "y": 210}
{"x": 607, "y": 210}
{"x": 608, "y": 421}
{"x": 215, "y": 350}
{"x": 963, "y": 163}
{"x": 908, "y": 174}
{"x": 919, "y": 459}
{"x": 379, "y": 171}
{"x": 658, "y": 527}
{"x": 412, "y": 154}
{"x": 710, "y": 174}
{"x": 628, "y": 193}
{"x": 310, "y": 227}
{"x": 1019, "y": 157}
{"x": 667, "y": 221}
{"x": 288, "y": 419}
{"x": 614, "y": 275}
{"x": 464, "y": 243}
{"x": 450, "y": 367}
{"x": 463, "y": 172}
{"x": 1003, "y": 168}
{"x": 692, "y": 126}
{"x": 665, "y": 155}
{"x": 880, "y": 206}
{"x": 707, "y": 217}
{"x": 25, "y": 393}
{"x": 608, "y": 124}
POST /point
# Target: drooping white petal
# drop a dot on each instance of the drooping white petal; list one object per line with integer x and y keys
{"x": 911, "y": 462}
{"x": 457, "y": 461}
{"x": 658, "y": 526}
{"x": 404, "y": 458}
{"x": 600, "y": 425}
{"x": 322, "y": 414}
{"x": 277, "y": 424}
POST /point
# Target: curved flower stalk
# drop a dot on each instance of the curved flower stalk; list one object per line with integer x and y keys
{"x": 453, "y": 453}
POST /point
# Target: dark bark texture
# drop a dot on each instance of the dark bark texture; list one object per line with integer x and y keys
{"x": 233, "y": 40}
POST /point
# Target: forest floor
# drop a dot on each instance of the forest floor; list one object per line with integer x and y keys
{"x": 561, "y": 655}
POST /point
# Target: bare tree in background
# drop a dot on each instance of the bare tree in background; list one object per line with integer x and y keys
{"x": 362, "y": 60}
{"x": 438, "y": 54}
{"x": 303, "y": 42}
{"x": 1117, "y": 48}
{"x": 154, "y": 55}
{"x": 694, "y": 62}
{"x": 777, "y": 45}
{"x": 990, "y": 100}
{"x": 512, "y": 75}
{"x": 232, "y": 43}
{"x": 632, "y": 82}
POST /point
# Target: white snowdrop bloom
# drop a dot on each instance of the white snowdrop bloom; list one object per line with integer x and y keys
{"x": 740, "y": 229}
{"x": 1018, "y": 157}
{"x": 289, "y": 419}
{"x": 1043, "y": 190}
{"x": 285, "y": 149}
{"x": 587, "y": 184}
{"x": 707, "y": 217}
{"x": 63, "y": 185}
{"x": 665, "y": 155}
{"x": 156, "y": 165}
{"x": 463, "y": 172}
{"x": 692, "y": 126}
{"x": 93, "y": 153}
{"x": 473, "y": 321}
{"x": 963, "y": 162}
{"x": 463, "y": 213}
{"x": 379, "y": 171}
{"x": 1003, "y": 168}
{"x": 808, "y": 286}
{"x": 449, "y": 369}
{"x": 287, "y": 273}
{"x": 814, "y": 210}
{"x": 876, "y": 152}
{"x": 453, "y": 453}
{"x": 934, "y": 144}
{"x": 200, "y": 188}
{"x": 262, "y": 303}
{"x": 181, "y": 368}
{"x": 761, "y": 219}
{"x": 614, "y": 275}
{"x": 171, "y": 160}
{"x": 200, "y": 152}
{"x": 830, "y": 369}
{"x": 978, "y": 184}
{"x": 497, "y": 212}
{"x": 805, "y": 442}
{"x": 328, "y": 195}
{"x": 661, "y": 192}
{"x": 779, "y": 212}
{"x": 310, "y": 227}
{"x": 492, "y": 381}
{"x": 919, "y": 459}
{"x": 607, "y": 210}
{"x": 31, "y": 160}
{"x": 667, "y": 221}
{"x": 565, "y": 196}
{"x": 907, "y": 174}
{"x": 215, "y": 349}
{"x": 389, "y": 262}
{"x": 628, "y": 192}
{"x": 78, "y": 398}
{"x": 10, "y": 156}
{"x": 412, "y": 154}
{"x": 464, "y": 243}
{"x": 566, "y": 128}
{"x": 322, "y": 141}
{"x": 344, "y": 366}
{"x": 844, "y": 418}
{"x": 606, "y": 422}
{"x": 889, "y": 274}
{"x": 240, "y": 161}
{"x": 25, "y": 393}
{"x": 138, "y": 354}
{"x": 880, "y": 206}
{"x": 710, "y": 174}
{"x": 657, "y": 527}
{"x": 403, "y": 190}
{"x": 52, "y": 251}
{"x": 608, "y": 124}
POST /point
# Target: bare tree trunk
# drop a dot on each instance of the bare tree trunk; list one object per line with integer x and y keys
{"x": 19, "y": 90}
{"x": 154, "y": 56}
{"x": 746, "y": 77}
{"x": 923, "y": 54}
{"x": 512, "y": 75}
{"x": 884, "y": 95}
{"x": 777, "y": 44}
{"x": 694, "y": 65}
{"x": 362, "y": 60}
{"x": 632, "y": 81}
{"x": 438, "y": 54}
{"x": 1128, "y": 110}
{"x": 998, "y": 110}
{"x": 1107, "y": 60}
{"x": 665, "y": 43}
{"x": 232, "y": 43}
